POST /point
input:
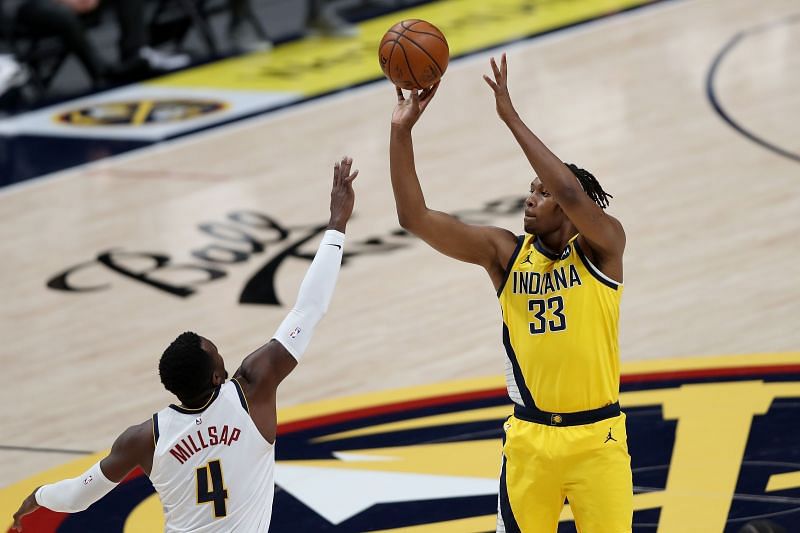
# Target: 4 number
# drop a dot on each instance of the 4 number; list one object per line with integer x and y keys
{"x": 216, "y": 492}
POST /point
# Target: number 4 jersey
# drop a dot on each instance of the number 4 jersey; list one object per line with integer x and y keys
{"x": 560, "y": 329}
{"x": 212, "y": 468}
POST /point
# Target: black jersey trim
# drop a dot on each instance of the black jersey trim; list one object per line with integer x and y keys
{"x": 599, "y": 276}
{"x": 511, "y": 261}
{"x": 527, "y": 397}
{"x": 190, "y": 411}
{"x": 240, "y": 392}
{"x": 155, "y": 429}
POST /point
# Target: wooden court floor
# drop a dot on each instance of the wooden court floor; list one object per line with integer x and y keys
{"x": 711, "y": 214}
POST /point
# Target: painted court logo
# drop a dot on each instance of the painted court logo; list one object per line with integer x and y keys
{"x": 140, "y": 112}
{"x": 713, "y": 447}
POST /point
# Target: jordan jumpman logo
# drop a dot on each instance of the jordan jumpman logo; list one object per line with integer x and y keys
{"x": 527, "y": 259}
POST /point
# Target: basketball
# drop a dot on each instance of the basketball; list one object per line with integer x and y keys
{"x": 414, "y": 54}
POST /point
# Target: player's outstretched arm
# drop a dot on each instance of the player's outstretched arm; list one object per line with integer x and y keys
{"x": 486, "y": 246}
{"x": 131, "y": 449}
{"x": 603, "y": 232}
{"x": 263, "y": 370}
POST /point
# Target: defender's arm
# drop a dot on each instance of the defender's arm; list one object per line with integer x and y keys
{"x": 131, "y": 449}
{"x": 263, "y": 370}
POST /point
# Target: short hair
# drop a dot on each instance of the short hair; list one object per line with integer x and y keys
{"x": 590, "y": 185}
{"x": 185, "y": 368}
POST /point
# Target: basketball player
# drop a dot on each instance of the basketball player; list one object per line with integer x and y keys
{"x": 559, "y": 287}
{"x": 212, "y": 458}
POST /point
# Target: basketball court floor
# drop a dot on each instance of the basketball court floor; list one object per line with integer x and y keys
{"x": 686, "y": 111}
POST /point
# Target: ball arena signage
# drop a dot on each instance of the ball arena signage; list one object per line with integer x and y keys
{"x": 714, "y": 444}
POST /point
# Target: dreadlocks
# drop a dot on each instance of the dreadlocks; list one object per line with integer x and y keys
{"x": 590, "y": 185}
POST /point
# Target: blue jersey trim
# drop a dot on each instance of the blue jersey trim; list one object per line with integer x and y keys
{"x": 511, "y": 261}
{"x": 527, "y": 397}
{"x": 593, "y": 270}
{"x": 544, "y": 251}
{"x": 155, "y": 429}
{"x": 506, "y": 512}
{"x": 240, "y": 392}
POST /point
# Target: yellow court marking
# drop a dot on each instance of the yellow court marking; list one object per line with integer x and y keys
{"x": 787, "y": 480}
{"x": 710, "y": 361}
{"x": 142, "y": 112}
{"x": 475, "y": 415}
{"x": 315, "y": 66}
{"x": 475, "y": 524}
{"x": 146, "y": 517}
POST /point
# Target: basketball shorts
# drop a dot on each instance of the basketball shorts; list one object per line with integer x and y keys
{"x": 544, "y": 465}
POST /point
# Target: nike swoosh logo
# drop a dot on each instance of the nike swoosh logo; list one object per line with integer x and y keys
{"x": 339, "y": 246}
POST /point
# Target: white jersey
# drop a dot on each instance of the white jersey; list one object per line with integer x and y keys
{"x": 212, "y": 468}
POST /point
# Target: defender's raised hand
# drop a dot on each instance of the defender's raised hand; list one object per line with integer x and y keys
{"x": 505, "y": 109}
{"x": 408, "y": 110}
{"x": 342, "y": 194}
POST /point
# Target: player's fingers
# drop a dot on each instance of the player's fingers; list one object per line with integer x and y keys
{"x": 345, "y": 168}
{"x": 336, "y": 174}
{"x": 496, "y": 70}
{"x": 430, "y": 91}
{"x": 349, "y": 180}
{"x": 489, "y": 81}
{"x": 427, "y": 95}
{"x": 400, "y": 96}
{"x": 504, "y": 66}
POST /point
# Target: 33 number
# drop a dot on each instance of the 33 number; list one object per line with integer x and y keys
{"x": 541, "y": 323}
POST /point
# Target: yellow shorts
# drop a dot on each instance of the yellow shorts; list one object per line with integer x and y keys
{"x": 588, "y": 465}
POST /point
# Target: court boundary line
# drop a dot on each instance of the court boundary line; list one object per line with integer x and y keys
{"x": 7, "y": 448}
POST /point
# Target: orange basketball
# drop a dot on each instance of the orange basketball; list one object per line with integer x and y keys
{"x": 414, "y": 54}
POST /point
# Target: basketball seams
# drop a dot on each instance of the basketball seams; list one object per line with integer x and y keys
{"x": 429, "y": 33}
{"x": 408, "y": 65}
{"x": 411, "y": 25}
{"x": 391, "y": 51}
{"x": 425, "y": 52}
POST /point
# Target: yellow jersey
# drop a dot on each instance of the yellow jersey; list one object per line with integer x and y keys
{"x": 560, "y": 329}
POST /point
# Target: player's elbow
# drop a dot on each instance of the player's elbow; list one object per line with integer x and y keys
{"x": 410, "y": 220}
{"x": 406, "y": 222}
